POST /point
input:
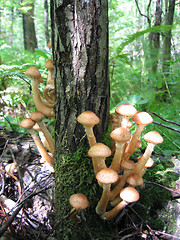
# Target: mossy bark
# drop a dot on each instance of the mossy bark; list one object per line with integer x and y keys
{"x": 80, "y": 56}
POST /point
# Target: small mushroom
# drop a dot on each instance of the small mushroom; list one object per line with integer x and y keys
{"x": 89, "y": 119}
{"x": 28, "y": 124}
{"x": 49, "y": 66}
{"x": 120, "y": 136}
{"x": 127, "y": 166}
{"x": 149, "y": 164}
{"x": 134, "y": 180}
{"x": 99, "y": 152}
{"x": 78, "y": 201}
{"x": 106, "y": 176}
{"x": 125, "y": 111}
{"x": 153, "y": 138}
{"x": 40, "y": 103}
{"x": 141, "y": 119}
{"x": 37, "y": 117}
{"x": 128, "y": 195}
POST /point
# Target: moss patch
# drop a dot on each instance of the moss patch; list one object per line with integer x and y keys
{"x": 74, "y": 174}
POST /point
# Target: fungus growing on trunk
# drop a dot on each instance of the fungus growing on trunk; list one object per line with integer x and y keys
{"x": 125, "y": 111}
{"x": 78, "y": 201}
{"x": 153, "y": 138}
{"x": 49, "y": 66}
{"x": 120, "y": 136}
{"x": 99, "y": 152}
{"x": 106, "y": 176}
{"x": 37, "y": 117}
{"x": 128, "y": 195}
{"x": 41, "y": 104}
{"x": 141, "y": 119}
{"x": 89, "y": 119}
{"x": 28, "y": 123}
{"x": 127, "y": 166}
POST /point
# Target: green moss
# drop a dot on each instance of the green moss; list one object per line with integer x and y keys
{"x": 73, "y": 174}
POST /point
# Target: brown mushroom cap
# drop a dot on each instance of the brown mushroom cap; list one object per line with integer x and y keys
{"x": 79, "y": 201}
{"x": 33, "y": 72}
{"x": 153, "y": 137}
{"x": 120, "y": 134}
{"x": 27, "y": 123}
{"x": 99, "y": 150}
{"x": 126, "y": 110}
{"x": 49, "y": 64}
{"x": 37, "y": 116}
{"x": 135, "y": 180}
{"x": 142, "y": 118}
{"x": 129, "y": 194}
{"x": 88, "y": 119}
{"x": 128, "y": 164}
{"x": 107, "y": 176}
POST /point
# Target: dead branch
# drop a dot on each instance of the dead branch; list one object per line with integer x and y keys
{"x": 169, "y": 121}
{"x": 163, "y": 125}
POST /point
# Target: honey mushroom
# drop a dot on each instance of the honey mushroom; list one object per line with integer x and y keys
{"x": 125, "y": 111}
{"x": 99, "y": 152}
{"x": 141, "y": 119}
{"x": 89, "y": 119}
{"x": 128, "y": 195}
{"x": 120, "y": 136}
{"x": 28, "y": 123}
{"x": 106, "y": 176}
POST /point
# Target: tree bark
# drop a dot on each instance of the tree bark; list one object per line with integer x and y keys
{"x": 80, "y": 56}
{"x": 170, "y": 7}
{"x": 154, "y": 37}
{"x": 30, "y": 41}
{"x": 46, "y": 25}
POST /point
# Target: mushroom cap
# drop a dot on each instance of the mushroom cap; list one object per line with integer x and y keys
{"x": 142, "y": 118}
{"x": 149, "y": 162}
{"x": 153, "y": 137}
{"x": 33, "y": 73}
{"x": 88, "y": 119}
{"x": 99, "y": 150}
{"x": 27, "y": 123}
{"x": 128, "y": 164}
{"x": 78, "y": 201}
{"x": 134, "y": 180}
{"x": 107, "y": 176}
{"x": 120, "y": 134}
{"x": 129, "y": 194}
{"x": 126, "y": 110}
{"x": 49, "y": 64}
{"x": 37, "y": 116}
{"x": 129, "y": 124}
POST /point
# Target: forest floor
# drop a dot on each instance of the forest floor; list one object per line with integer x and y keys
{"x": 27, "y": 192}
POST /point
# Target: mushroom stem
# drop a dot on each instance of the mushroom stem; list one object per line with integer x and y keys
{"x": 116, "y": 162}
{"x": 103, "y": 202}
{"x": 90, "y": 135}
{"x": 41, "y": 148}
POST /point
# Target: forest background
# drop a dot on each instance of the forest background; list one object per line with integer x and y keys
{"x": 142, "y": 72}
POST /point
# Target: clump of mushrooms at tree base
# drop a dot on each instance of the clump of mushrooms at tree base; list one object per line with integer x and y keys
{"x": 120, "y": 179}
{"x": 45, "y": 106}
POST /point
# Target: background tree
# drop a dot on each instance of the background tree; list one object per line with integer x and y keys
{"x": 30, "y": 41}
{"x": 80, "y": 53}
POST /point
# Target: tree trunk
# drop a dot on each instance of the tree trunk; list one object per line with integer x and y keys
{"x": 154, "y": 37}
{"x": 30, "y": 41}
{"x": 170, "y": 7}
{"x": 80, "y": 55}
{"x": 46, "y": 21}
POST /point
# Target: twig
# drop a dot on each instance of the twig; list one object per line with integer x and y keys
{"x": 10, "y": 220}
{"x": 166, "y": 234}
{"x": 159, "y": 185}
{"x": 163, "y": 125}
{"x": 139, "y": 10}
{"x": 154, "y": 237}
{"x": 169, "y": 121}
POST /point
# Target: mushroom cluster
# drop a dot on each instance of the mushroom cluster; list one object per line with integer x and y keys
{"x": 120, "y": 179}
{"x": 45, "y": 107}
